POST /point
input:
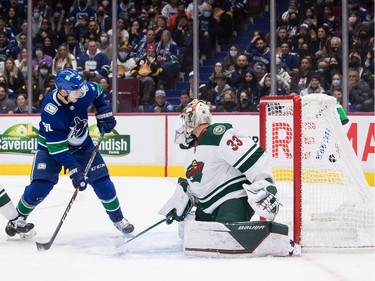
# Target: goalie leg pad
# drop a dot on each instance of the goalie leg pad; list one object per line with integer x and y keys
{"x": 238, "y": 239}
{"x": 262, "y": 197}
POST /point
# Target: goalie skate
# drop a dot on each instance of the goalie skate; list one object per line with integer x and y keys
{"x": 124, "y": 226}
{"x": 21, "y": 227}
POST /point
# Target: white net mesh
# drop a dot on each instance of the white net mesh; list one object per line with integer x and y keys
{"x": 337, "y": 203}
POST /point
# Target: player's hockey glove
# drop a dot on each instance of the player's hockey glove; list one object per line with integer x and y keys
{"x": 105, "y": 119}
{"x": 180, "y": 204}
{"x": 78, "y": 178}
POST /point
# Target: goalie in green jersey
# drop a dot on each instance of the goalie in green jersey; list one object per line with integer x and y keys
{"x": 227, "y": 175}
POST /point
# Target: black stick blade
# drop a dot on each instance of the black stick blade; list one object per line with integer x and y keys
{"x": 43, "y": 246}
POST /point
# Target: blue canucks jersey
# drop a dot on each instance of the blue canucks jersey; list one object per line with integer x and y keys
{"x": 63, "y": 128}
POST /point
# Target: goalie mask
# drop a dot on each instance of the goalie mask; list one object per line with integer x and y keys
{"x": 194, "y": 114}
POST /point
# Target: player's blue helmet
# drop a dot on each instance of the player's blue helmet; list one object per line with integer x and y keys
{"x": 70, "y": 80}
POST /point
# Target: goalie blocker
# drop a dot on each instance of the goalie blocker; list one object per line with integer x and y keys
{"x": 239, "y": 239}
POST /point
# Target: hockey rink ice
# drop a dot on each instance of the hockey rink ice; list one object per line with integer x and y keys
{"x": 84, "y": 248}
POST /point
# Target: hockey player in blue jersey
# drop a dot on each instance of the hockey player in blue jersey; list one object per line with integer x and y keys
{"x": 64, "y": 141}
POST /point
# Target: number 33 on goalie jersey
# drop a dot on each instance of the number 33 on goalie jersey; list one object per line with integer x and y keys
{"x": 221, "y": 160}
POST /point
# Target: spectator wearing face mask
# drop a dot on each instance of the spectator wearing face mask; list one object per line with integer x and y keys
{"x": 105, "y": 45}
{"x": 103, "y": 19}
{"x": 363, "y": 39}
{"x": 124, "y": 63}
{"x": 230, "y": 59}
{"x": 42, "y": 75}
{"x": 292, "y": 8}
{"x": 92, "y": 32}
{"x": 40, "y": 57}
{"x": 228, "y": 102}
{"x": 337, "y": 82}
{"x": 58, "y": 17}
{"x": 36, "y": 21}
{"x": 246, "y": 103}
{"x": 207, "y": 32}
{"x": 335, "y": 46}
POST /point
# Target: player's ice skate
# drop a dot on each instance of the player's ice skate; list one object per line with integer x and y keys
{"x": 124, "y": 226}
{"x": 21, "y": 227}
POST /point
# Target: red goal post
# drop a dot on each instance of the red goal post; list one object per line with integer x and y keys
{"x": 296, "y": 100}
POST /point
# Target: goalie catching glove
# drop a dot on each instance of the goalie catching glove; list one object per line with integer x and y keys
{"x": 262, "y": 198}
{"x": 179, "y": 205}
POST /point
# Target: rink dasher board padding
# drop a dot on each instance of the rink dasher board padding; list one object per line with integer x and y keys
{"x": 233, "y": 240}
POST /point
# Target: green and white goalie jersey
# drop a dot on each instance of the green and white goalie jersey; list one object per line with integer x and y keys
{"x": 220, "y": 160}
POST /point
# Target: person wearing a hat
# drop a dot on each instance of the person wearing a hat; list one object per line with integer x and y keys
{"x": 313, "y": 87}
{"x": 147, "y": 70}
{"x": 217, "y": 92}
{"x": 40, "y": 57}
{"x": 124, "y": 63}
{"x": 161, "y": 104}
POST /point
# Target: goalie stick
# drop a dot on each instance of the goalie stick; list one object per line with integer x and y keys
{"x": 121, "y": 240}
{"x": 47, "y": 245}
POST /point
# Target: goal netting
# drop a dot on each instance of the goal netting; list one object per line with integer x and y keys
{"x": 326, "y": 198}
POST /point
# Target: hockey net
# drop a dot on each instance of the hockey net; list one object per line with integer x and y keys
{"x": 326, "y": 198}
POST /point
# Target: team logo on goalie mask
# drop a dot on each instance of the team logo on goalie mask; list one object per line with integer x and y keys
{"x": 195, "y": 171}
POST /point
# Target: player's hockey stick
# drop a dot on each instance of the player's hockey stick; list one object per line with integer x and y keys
{"x": 121, "y": 240}
{"x": 47, "y": 245}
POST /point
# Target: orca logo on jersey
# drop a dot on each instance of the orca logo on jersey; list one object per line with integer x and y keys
{"x": 79, "y": 132}
{"x": 195, "y": 171}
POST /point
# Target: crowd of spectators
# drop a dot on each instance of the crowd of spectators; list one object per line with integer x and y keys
{"x": 308, "y": 59}
{"x": 155, "y": 40}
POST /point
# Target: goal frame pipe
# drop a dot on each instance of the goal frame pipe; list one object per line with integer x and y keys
{"x": 297, "y": 152}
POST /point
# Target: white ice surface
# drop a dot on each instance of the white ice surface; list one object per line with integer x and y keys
{"x": 84, "y": 248}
